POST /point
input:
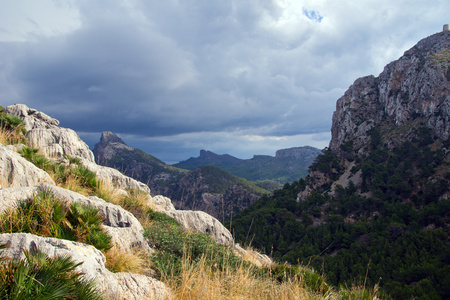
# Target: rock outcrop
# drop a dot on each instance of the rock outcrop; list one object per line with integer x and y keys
{"x": 201, "y": 221}
{"x": 43, "y": 133}
{"x": 411, "y": 95}
{"x": 16, "y": 171}
{"x": 415, "y": 86}
{"x": 114, "y": 285}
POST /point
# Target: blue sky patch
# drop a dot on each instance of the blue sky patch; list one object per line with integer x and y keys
{"x": 312, "y": 15}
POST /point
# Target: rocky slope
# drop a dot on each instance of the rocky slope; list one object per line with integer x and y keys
{"x": 20, "y": 179}
{"x": 287, "y": 165}
{"x": 208, "y": 189}
{"x": 410, "y": 95}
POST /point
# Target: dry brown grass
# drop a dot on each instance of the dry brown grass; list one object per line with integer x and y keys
{"x": 134, "y": 261}
{"x": 202, "y": 282}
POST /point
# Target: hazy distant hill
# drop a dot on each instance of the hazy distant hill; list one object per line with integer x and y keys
{"x": 288, "y": 164}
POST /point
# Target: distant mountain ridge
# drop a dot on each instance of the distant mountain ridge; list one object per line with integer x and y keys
{"x": 288, "y": 164}
{"x": 209, "y": 189}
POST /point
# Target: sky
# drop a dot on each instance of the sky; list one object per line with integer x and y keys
{"x": 172, "y": 77}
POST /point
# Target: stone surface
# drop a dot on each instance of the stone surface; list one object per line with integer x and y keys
{"x": 115, "y": 178}
{"x": 57, "y": 141}
{"x": 201, "y": 221}
{"x": 16, "y": 171}
{"x": 161, "y": 203}
{"x": 43, "y": 133}
{"x": 417, "y": 85}
{"x": 113, "y": 285}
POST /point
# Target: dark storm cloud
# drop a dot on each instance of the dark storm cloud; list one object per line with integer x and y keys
{"x": 247, "y": 77}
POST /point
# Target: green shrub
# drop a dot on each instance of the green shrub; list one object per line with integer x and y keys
{"x": 42, "y": 277}
{"x": 173, "y": 243}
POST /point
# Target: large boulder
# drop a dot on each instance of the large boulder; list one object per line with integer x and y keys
{"x": 113, "y": 285}
{"x": 124, "y": 228}
{"x": 16, "y": 171}
{"x": 161, "y": 203}
{"x": 43, "y": 133}
{"x": 201, "y": 221}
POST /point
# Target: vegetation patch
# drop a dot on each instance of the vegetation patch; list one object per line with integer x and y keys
{"x": 45, "y": 215}
{"x": 41, "y": 277}
{"x": 12, "y": 129}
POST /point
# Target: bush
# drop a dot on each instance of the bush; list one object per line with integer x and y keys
{"x": 46, "y": 216}
{"x": 41, "y": 277}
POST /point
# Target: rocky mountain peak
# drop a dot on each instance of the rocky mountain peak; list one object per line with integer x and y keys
{"x": 108, "y": 146}
{"x": 108, "y": 138}
{"x": 417, "y": 85}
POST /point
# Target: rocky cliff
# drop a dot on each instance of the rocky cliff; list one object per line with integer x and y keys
{"x": 416, "y": 86}
{"x": 408, "y": 100}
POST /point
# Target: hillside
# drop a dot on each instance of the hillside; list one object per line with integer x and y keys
{"x": 71, "y": 229}
{"x": 375, "y": 206}
{"x": 209, "y": 189}
{"x": 287, "y": 165}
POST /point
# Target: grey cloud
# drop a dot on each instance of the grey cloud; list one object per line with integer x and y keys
{"x": 208, "y": 69}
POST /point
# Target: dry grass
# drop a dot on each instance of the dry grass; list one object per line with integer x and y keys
{"x": 254, "y": 257}
{"x": 134, "y": 261}
{"x": 200, "y": 281}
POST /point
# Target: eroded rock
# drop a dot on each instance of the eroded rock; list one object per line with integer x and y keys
{"x": 16, "y": 171}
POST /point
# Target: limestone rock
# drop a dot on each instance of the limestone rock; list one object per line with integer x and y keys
{"x": 43, "y": 133}
{"x": 114, "y": 177}
{"x": 161, "y": 203}
{"x": 31, "y": 117}
{"x": 16, "y": 171}
{"x": 201, "y": 221}
{"x": 122, "y": 285}
{"x": 57, "y": 141}
{"x": 417, "y": 85}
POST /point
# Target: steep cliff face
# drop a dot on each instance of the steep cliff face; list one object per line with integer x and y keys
{"x": 415, "y": 86}
{"x": 408, "y": 102}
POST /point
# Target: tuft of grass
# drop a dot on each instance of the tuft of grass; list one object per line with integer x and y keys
{"x": 135, "y": 261}
{"x": 45, "y": 215}
{"x": 73, "y": 176}
{"x": 42, "y": 277}
{"x": 12, "y": 129}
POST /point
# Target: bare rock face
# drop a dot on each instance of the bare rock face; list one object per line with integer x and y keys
{"x": 201, "y": 221}
{"x": 114, "y": 177}
{"x": 124, "y": 228}
{"x": 113, "y": 285}
{"x": 43, "y": 133}
{"x": 415, "y": 86}
{"x": 16, "y": 171}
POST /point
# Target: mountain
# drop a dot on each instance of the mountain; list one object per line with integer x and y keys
{"x": 209, "y": 189}
{"x": 376, "y": 204}
{"x": 287, "y": 165}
